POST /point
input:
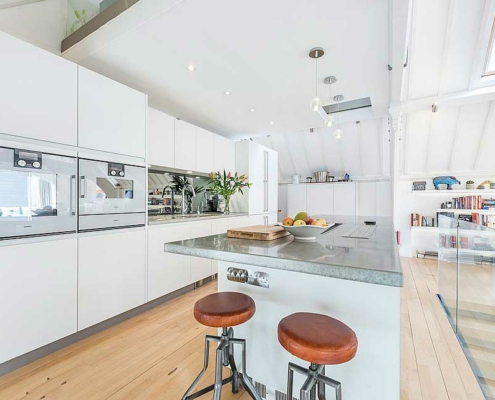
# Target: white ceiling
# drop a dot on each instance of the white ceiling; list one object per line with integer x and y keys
{"x": 258, "y": 50}
{"x": 445, "y": 58}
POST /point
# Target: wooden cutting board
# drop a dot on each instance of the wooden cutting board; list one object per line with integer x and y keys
{"x": 258, "y": 232}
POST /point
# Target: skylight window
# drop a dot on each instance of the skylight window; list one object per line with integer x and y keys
{"x": 489, "y": 68}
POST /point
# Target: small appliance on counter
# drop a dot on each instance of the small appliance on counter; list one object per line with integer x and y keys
{"x": 320, "y": 176}
{"x": 111, "y": 195}
{"x": 37, "y": 193}
{"x": 213, "y": 202}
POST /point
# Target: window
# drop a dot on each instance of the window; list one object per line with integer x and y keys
{"x": 489, "y": 68}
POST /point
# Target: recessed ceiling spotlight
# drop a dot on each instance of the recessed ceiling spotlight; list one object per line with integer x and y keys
{"x": 191, "y": 67}
{"x": 271, "y": 122}
{"x": 228, "y": 93}
{"x": 252, "y": 110}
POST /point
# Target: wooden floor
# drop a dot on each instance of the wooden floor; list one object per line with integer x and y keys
{"x": 156, "y": 355}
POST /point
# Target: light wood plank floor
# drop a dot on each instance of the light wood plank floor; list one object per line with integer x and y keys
{"x": 156, "y": 355}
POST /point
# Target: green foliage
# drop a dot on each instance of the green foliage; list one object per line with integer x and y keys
{"x": 226, "y": 184}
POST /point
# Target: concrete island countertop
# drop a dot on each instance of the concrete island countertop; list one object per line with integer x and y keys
{"x": 169, "y": 219}
{"x": 375, "y": 260}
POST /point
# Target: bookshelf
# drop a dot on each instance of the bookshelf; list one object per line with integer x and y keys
{"x": 465, "y": 211}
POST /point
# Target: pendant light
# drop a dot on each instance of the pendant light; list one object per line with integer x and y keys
{"x": 316, "y": 52}
{"x": 329, "y": 80}
{"x": 338, "y": 132}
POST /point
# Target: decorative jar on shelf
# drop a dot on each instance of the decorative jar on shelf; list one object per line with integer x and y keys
{"x": 469, "y": 185}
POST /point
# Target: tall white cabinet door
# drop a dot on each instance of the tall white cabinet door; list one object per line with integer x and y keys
{"x": 204, "y": 150}
{"x": 238, "y": 222}
{"x": 112, "y": 275}
{"x": 38, "y": 93}
{"x": 200, "y": 267}
{"x": 272, "y": 218}
{"x": 258, "y": 173}
{"x": 167, "y": 272}
{"x": 112, "y": 116}
{"x": 320, "y": 198}
{"x": 224, "y": 154}
{"x": 383, "y": 199}
{"x": 38, "y": 295}
{"x": 257, "y": 220}
{"x": 185, "y": 145}
{"x": 161, "y": 139}
{"x": 367, "y": 198}
{"x": 344, "y": 199}
{"x": 296, "y": 199}
{"x": 272, "y": 182}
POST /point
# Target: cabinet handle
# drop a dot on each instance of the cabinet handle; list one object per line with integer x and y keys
{"x": 82, "y": 187}
{"x": 73, "y": 201}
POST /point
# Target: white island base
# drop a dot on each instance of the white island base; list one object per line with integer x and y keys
{"x": 372, "y": 311}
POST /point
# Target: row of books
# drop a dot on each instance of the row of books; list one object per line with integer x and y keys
{"x": 468, "y": 203}
{"x": 485, "y": 220}
{"x": 450, "y": 242}
{"x": 421, "y": 220}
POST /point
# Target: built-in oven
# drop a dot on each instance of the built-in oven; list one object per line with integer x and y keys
{"x": 37, "y": 193}
{"x": 111, "y": 195}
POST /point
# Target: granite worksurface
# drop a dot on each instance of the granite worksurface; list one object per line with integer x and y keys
{"x": 170, "y": 219}
{"x": 374, "y": 260}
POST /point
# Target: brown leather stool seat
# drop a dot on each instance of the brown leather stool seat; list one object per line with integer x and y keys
{"x": 224, "y": 310}
{"x": 317, "y": 338}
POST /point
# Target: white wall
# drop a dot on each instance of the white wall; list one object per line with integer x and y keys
{"x": 41, "y": 23}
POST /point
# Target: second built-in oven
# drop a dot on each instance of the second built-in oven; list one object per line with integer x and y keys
{"x": 111, "y": 195}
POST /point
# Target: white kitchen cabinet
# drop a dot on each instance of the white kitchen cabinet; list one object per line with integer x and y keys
{"x": 260, "y": 164}
{"x": 200, "y": 267}
{"x": 219, "y": 226}
{"x": 344, "y": 198}
{"x": 238, "y": 222}
{"x": 272, "y": 183}
{"x": 296, "y": 199}
{"x": 204, "y": 150}
{"x": 111, "y": 116}
{"x": 112, "y": 275}
{"x": 224, "y": 154}
{"x": 263, "y": 219}
{"x": 167, "y": 272}
{"x": 38, "y": 295}
{"x": 160, "y": 139}
{"x": 38, "y": 95}
{"x": 185, "y": 145}
{"x": 367, "y": 198}
{"x": 320, "y": 199}
{"x": 272, "y": 218}
{"x": 383, "y": 199}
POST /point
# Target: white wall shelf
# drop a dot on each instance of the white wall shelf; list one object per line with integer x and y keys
{"x": 461, "y": 211}
{"x": 453, "y": 191}
{"x": 424, "y": 228}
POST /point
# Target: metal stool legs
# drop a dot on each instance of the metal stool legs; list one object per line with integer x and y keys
{"x": 314, "y": 384}
{"x": 224, "y": 357}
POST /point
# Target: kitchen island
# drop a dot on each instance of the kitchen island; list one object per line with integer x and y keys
{"x": 354, "y": 280}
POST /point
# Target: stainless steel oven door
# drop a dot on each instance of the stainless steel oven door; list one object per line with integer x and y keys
{"x": 111, "y": 195}
{"x": 37, "y": 193}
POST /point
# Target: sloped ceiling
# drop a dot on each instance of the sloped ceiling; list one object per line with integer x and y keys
{"x": 444, "y": 47}
{"x": 363, "y": 152}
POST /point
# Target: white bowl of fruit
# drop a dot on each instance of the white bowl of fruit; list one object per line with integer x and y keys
{"x": 304, "y": 227}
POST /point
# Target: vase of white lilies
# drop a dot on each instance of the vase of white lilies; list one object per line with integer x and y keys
{"x": 227, "y": 184}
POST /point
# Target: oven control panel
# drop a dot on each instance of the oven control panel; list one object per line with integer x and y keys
{"x": 27, "y": 159}
{"x": 117, "y": 170}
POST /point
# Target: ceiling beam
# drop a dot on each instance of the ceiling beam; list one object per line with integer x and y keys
{"x": 484, "y": 135}
{"x": 455, "y": 99}
{"x": 446, "y": 43}
{"x": 453, "y": 153}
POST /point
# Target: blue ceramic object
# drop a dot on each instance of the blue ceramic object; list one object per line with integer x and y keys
{"x": 445, "y": 180}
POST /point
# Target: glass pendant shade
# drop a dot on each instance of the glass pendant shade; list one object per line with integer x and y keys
{"x": 329, "y": 121}
{"x": 338, "y": 133}
{"x": 316, "y": 104}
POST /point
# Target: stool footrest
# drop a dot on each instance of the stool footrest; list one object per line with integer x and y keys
{"x": 208, "y": 389}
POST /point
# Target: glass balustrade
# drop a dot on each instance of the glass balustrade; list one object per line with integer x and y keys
{"x": 466, "y": 288}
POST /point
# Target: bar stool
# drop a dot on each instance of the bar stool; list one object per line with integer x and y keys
{"x": 320, "y": 340}
{"x": 224, "y": 310}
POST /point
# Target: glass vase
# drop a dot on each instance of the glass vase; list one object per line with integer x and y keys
{"x": 227, "y": 205}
